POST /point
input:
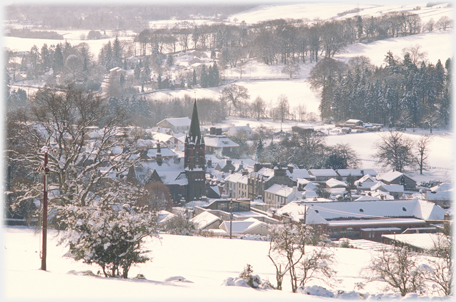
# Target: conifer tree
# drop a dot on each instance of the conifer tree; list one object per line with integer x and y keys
{"x": 194, "y": 78}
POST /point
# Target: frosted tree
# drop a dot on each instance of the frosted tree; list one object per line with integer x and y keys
{"x": 286, "y": 249}
{"x": 440, "y": 270}
{"x": 86, "y": 150}
{"x": 89, "y": 195}
{"x": 399, "y": 269}
{"x": 110, "y": 230}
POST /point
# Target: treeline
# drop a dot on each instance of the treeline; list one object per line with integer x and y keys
{"x": 39, "y": 34}
{"x": 121, "y": 17}
{"x": 404, "y": 93}
{"x": 278, "y": 41}
{"x": 69, "y": 64}
{"x": 147, "y": 113}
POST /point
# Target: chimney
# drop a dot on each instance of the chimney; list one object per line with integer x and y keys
{"x": 279, "y": 172}
{"x": 245, "y": 172}
{"x": 290, "y": 168}
{"x": 209, "y": 163}
{"x": 256, "y": 167}
{"x": 212, "y": 130}
{"x": 218, "y": 131}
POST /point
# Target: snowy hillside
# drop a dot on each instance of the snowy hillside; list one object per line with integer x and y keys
{"x": 340, "y": 10}
{"x": 202, "y": 265}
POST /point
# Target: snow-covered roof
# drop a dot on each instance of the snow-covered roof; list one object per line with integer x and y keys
{"x": 298, "y": 174}
{"x": 311, "y": 187}
{"x": 204, "y": 219}
{"x": 368, "y": 222}
{"x": 390, "y": 176}
{"x": 177, "y": 121}
{"x": 234, "y": 177}
{"x": 347, "y": 172}
{"x": 388, "y": 188}
{"x": 442, "y": 187}
{"x": 264, "y": 172}
{"x": 335, "y": 183}
{"x": 219, "y": 142}
{"x": 323, "y": 172}
{"x": 242, "y": 227}
{"x": 164, "y": 216}
{"x": 441, "y": 195}
{"x": 162, "y": 137}
{"x": 423, "y": 241}
{"x": 173, "y": 177}
{"x": 145, "y": 143}
{"x": 280, "y": 190}
{"x": 309, "y": 194}
{"x": 296, "y": 211}
{"x": 165, "y": 152}
{"x": 368, "y": 198}
{"x": 370, "y": 172}
{"x": 412, "y": 208}
{"x": 366, "y": 178}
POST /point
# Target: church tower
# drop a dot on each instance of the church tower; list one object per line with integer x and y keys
{"x": 195, "y": 159}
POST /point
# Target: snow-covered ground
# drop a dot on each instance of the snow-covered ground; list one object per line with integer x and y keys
{"x": 204, "y": 263}
{"x": 326, "y": 10}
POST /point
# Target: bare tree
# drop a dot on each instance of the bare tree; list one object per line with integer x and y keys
{"x": 157, "y": 197}
{"x": 235, "y": 94}
{"x": 433, "y": 120}
{"x": 422, "y": 148}
{"x": 80, "y": 168}
{"x": 395, "y": 150}
{"x": 286, "y": 249}
{"x": 291, "y": 68}
{"x": 258, "y": 108}
{"x": 440, "y": 271}
{"x": 398, "y": 268}
{"x": 283, "y": 107}
{"x": 317, "y": 265}
{"x": 416, "y": 55}
{"x": 444, "y": 23}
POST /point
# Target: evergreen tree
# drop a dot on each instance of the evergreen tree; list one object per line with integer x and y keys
{"x": 260, "y": 151}
{"x": 203, "y": 80}
{"x": 210, "y": 77}
{"x": 45, "y": 57}
{"x": 58, "y": 60}
{"x": 194, "y": 78}
{"x": 137, "y": 72}
{"x": 170, "y": 60}
{"x": 215, "y": 75}
{"x": 116, "y": 53}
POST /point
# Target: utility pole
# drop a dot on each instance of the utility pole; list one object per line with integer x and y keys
{"x": 231, "y": 218}
{"x": 45, "y": 171}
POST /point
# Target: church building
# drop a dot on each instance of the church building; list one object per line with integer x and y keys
{"x": 195, "y": 159}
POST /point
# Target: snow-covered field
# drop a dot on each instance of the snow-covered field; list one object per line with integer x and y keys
{"x": 204, "y": 263}
{"x": 326, "y": 10}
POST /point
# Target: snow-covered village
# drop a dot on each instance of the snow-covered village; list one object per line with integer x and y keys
{"x": 231, "y": 151}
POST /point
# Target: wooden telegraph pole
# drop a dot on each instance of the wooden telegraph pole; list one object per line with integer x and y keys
{"x": 45, "y": 171}
{"x": 231, "y": 218}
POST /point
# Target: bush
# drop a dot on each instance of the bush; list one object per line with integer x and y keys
{"x": 108, "y": 235}
{"x": 179, "y": 225}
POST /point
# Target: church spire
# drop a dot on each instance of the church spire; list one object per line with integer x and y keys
{"x": 194, "y": 132}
